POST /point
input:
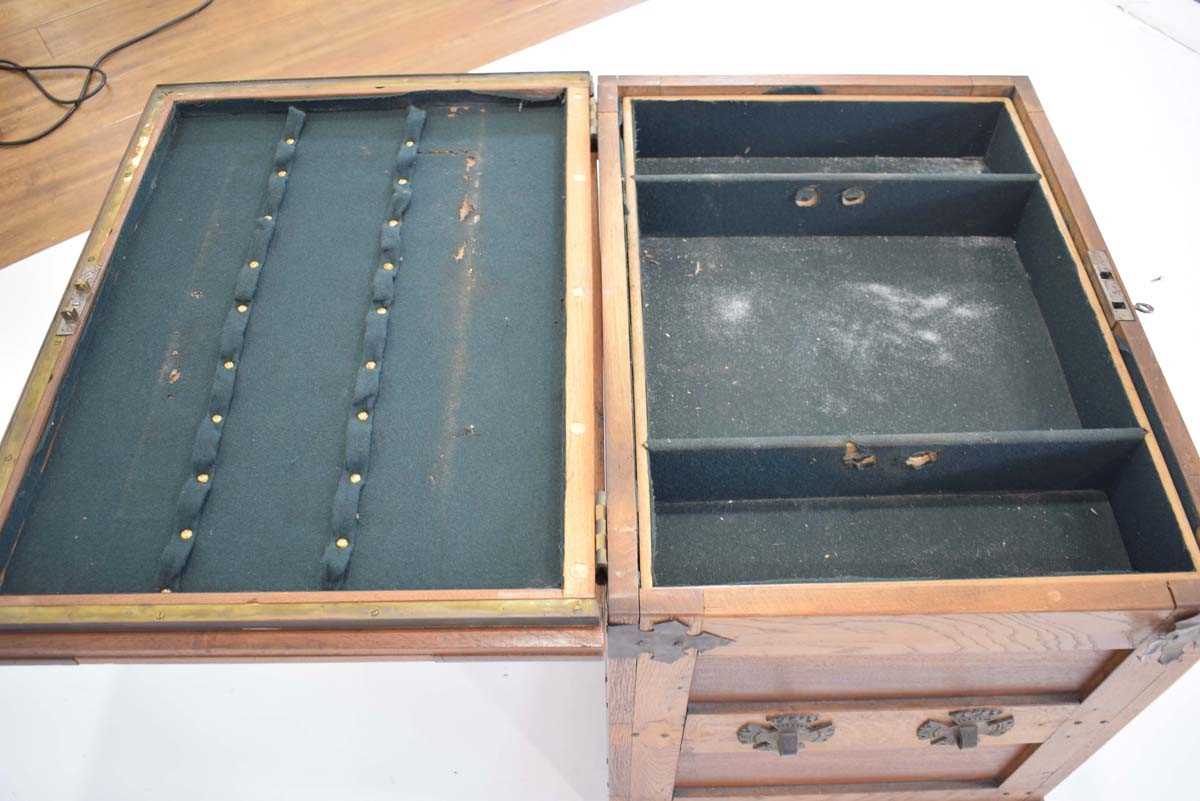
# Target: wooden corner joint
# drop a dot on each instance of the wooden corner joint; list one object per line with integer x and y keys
{"x": 1169, "y": 646}
{"x": 665, "y": 642}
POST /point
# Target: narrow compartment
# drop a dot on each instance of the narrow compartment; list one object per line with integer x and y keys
{"x": 869, "y": 357}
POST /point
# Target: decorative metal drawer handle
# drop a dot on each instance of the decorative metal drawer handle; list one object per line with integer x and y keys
{"x": 785, "y": 734}
{"x": 967, "y": 725}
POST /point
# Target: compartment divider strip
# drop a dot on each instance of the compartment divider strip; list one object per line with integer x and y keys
{"x": 345, "y": 520}
{"x": 832, "y": 204}
{"x": 190, "y": 506}
{"x": 887, "y": 464}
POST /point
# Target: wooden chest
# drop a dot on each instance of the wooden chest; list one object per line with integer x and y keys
{"x": 832, "y": 384}
{"x": 898, "y": 504}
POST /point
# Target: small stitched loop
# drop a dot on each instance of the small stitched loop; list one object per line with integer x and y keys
{"x": 344, "y": 519}
{"x": 207, "y": 441}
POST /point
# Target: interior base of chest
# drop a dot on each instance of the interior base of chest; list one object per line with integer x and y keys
{"x": 464, "y": 487}
{"x": 869, "y": 354}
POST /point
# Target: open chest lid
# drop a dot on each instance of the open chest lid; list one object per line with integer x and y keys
{"x": 327, "y": 360}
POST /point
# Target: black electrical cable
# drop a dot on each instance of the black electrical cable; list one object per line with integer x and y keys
{"x": 88, "y": 90}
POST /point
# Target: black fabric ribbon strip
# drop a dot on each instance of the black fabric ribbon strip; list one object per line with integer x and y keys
{"x": 336, "y": 561}
{"x": 208, "y": 433}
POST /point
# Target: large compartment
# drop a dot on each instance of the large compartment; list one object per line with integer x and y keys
{"x": 869, "y": 353}
{"x": 458, "y": 482}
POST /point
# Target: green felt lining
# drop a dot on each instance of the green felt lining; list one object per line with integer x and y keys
{"x": 778, "y": 333}
{"x": 466, "y": 480}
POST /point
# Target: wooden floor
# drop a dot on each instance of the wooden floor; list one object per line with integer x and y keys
{"x": 51, "y": 190}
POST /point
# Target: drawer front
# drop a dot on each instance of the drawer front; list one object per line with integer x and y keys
{"x": 719, "y": 678}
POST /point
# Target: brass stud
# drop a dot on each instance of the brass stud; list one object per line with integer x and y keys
{"x": 185, "y": 535}
{"x": 409, "y": 143}
{"x": 402, "y": 181}
{"x": 252, "y": 264}
{"x": 392, "y": 223}
{"x": 282, "y": 173}
{"x": 229, "y": 364}
{"x": 242, "y": 308}
{"x": 216, "y": 418}
{"x": 342, "y": 542}
{"x": 290, "y": 140}
{"x": 363, "y": 415}
{"x": 371, "y": 364}
{"x": 356, "y": 478}
{"x": 381, "y": 310}
{"x": 387, "y": 265}
{"x": 202, "y": 478}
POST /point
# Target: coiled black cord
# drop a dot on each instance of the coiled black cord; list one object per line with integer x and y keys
{"x": 90, "y": 86}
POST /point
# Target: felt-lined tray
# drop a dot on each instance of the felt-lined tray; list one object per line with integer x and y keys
{"x": 330, "y": 351}
{"x": 868, "y": 354}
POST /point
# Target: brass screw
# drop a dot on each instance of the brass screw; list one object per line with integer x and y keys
{"x": 290, "y": 140}
{"x": 342, "y": 542}
{"x": 363, "y": 415}
{"x": 381, "y": 310}
{"x": 282, "y": 173}
{"x": 387, "y": 265}
{"x": 409, "y": 143}
{"x": 402, "y": 181}
{"x": 229, "y": 364}
{"x": 268, "y": 217}
{"x": 355, "y": 478}
{"x": 216, "y": 418}
{"x": 252, "y": 264}
{"x": 185, "y": 535}
{"x": 202, "y": 478}
{"x": 371, "y": 364}
{"x": 242, "y": 308}
{"x": 392, "y": 223}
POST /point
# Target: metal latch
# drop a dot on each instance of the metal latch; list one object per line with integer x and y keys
{"x": 965, "y": 728}
{"x": 1102, "y": 269}
{"x": 601, "y": 530}
{"x": 785, "y": 734}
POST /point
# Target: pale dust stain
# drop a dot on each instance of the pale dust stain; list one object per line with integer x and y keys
{"x": 463, "y": 269}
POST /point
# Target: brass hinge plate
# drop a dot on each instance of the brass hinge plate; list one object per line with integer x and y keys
{"x": 593, "y": 120}
{"x": 79, "y": 294}
{"x": 601, "y": 530}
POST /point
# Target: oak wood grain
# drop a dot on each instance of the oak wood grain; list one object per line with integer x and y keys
{"x": 660, "y": 706}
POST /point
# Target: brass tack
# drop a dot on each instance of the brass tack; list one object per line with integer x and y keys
{"x": 186, "y": 534}
{"x": 381, "y": 310}
{"x": 392, "y": 223}
{"x": 282, "y": 173}
{"x": 387, "y": 265}
{"x": 363, "y": 415}
{"x": 401, "y": 181}
{"x": 242, "y": 308}
{"x": 229, "y": 364}
{"x": 290, "y": 140}
{"x": 202, "y": 478}
{"x": 355, "y": 478}
{"x": 216, "y": 418}
{"x": 409, "y": 143}
{"x": 342, "y": 542}
{"x": 252, "y": 264}
{"x": 371, "y": 364}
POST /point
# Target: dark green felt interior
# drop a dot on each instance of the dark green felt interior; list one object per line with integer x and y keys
{"x": 944, "y": 314}
{"x": 465, "y": 486}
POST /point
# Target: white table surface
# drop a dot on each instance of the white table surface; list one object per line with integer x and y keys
{"x": 1124, "y": 99}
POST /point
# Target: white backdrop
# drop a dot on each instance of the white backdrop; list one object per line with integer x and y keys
{"x": 1125, "y": 101}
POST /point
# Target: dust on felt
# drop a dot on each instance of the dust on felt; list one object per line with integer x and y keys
{"x": 870, "y": 328}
